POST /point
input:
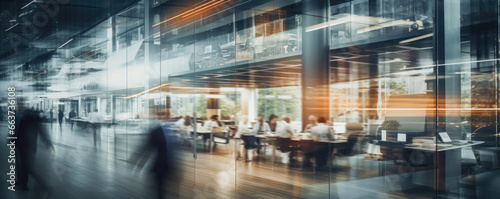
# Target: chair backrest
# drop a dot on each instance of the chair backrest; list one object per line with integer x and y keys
{"x": 351, "y": 141}
{"x": 219, "y": 129}
{"x": 283, "y": 144}
{"x": 307, "y": 146}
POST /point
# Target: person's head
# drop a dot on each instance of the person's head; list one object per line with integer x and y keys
{"x": 273, "y": 118}
{"x": 260, "y": 119}
{"x": 286, "y": 119}
{"x": 313, "y": 119}
{"x": 322, "y": 120}
{"x": 187, "y": 120}
{"x": 214, "y": 118}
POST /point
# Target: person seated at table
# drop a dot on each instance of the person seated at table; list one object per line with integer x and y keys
{"x": 180, "y": 123}
{"x": 243, "y": 127}
{"x": 260, "y": 127}
{"x": 284, "y": 128}
{"x": 312, "y": 122}
{"x": 273, "y": 122}
{"x": 246, "y": 135}
{"x": 321, "y": 132}
{"x": 209, "y": 125}
{"x": 213, "y": 122}
{"x": 184, "y": 124}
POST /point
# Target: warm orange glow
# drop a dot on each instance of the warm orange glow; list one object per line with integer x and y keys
{"x": 146, "y": 91}
{"x": 190, "y": 12}
{"x": 199, "y": 10}
{"x": 198, "y": 7}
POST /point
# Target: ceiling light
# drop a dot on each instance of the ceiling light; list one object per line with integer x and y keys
{"x": 65, "y": 43}
{"x": 417, "y": 38}
{"x": 28, "y": 4}
{"x": 11, "y": 27}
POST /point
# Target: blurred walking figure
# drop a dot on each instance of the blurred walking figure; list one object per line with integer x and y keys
{"x": 60, "y": 117}
{"x": 161, "y": 142}
{"x": 72, "y": 115}
{"x": 95, "y": 120}
{"x": 51, "y": 116}
{"x": 29, "y": 128}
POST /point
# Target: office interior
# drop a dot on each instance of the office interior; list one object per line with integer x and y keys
{"x": 392, "y": 79}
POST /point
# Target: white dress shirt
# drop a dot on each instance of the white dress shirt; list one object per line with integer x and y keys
{"x": 95, "y": 117}
{"x": 180, "y": 123}
{"x": 265, "y": 128}
{"x": 210, "y": 124}
{"x": 284, "y": 129}
{"x": 243, "y": 130}
{"x": 322, "y": 132}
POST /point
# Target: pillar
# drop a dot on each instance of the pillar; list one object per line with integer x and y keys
{"x": 213, "y": 106}
{"x": 315, "y": 61}
{"x": 448, "y": 90}
{"x": 113, "y": 108}
{"x": 447, "y": 51}
{"x": 168, "y": 107}
{"x": 249, "y": 103}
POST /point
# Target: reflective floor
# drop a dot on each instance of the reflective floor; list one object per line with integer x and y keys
{"x": 80, "y": 170}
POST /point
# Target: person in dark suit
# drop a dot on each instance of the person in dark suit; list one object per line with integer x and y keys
{"x": 29, "y": 129}
{"x": 72, "y": 115}
{"x": 51, "y": 112}
{"x": 60, "y": 117}
{"x": 166, "y": 168}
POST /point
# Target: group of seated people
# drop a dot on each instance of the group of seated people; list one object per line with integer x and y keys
{"x": 318, "y": 128}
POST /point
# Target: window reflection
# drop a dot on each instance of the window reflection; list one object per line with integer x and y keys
{"x": 267, "y": 99}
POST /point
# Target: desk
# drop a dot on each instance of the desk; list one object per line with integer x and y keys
{"x": 80, "y": 122}
{"x": 447, "y": 171}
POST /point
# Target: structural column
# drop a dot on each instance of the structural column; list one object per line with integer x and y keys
{"x": 315, "y": 60}
{"x": 213, "y": 107}
{"x": 249, "y": 103}
{"x": 168, "y": 107}
{"x": 448, "y": 91}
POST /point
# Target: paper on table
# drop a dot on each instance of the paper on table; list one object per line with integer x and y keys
{"x": 384, "y": 135}
{"x": 402, "y": 137}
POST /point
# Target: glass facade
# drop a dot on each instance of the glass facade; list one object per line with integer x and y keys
{"x": 406, "y": 90}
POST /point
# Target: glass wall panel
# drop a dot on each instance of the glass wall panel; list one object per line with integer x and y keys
{"x": 252, "y": 98}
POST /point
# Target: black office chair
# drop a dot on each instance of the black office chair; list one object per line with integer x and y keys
{"x": 308, "y": 148}
{"x": 349, "y": 148}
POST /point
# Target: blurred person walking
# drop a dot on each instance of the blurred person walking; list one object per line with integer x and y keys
{"x": 72, "y": 115}
{"x": 95, "y": 120}
{"x": 51, "y": 116}
{"x": 29, "y": 128}
{"x": 166, "y": 169}
{"x": 60, "y": 117}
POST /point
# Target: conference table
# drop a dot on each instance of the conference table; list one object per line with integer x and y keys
{"x": 301, "y": 137}
{"x": 82, "y": 123}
